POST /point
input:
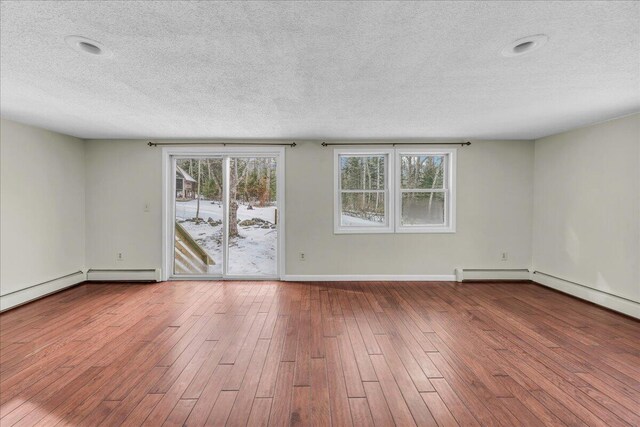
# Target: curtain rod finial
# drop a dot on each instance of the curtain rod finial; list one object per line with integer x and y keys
{"x": 324, "y": 144}
{"x": 151, "y": 144}
{"x": 293, "y": 144}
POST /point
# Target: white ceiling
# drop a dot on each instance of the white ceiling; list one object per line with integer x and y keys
{"x": 331, "y": 70}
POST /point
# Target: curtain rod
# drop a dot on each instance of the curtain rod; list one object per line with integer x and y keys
{"x": 224, "y": 144}
{"x": 393, "y": 144}
{"x": 293, "y": 144}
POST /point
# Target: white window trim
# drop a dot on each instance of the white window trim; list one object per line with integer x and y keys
{"x": 450, "y": 192}
{"x": 393, "y": 198}
{"x": 338, "y": 228}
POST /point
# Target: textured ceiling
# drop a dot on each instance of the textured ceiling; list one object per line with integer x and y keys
{"x": 331, "y": 70}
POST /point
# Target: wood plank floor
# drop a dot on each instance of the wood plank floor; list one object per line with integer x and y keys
{"x": 362, "y": 354}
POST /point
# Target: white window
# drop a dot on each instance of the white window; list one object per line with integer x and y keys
{"x": 363, "y": 191}
{"x": 406, "y": 191}
{"x": 425, "y": 201}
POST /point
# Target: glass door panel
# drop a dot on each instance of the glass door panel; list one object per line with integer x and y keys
{"x": 199, "y": 205}
{"x": 253, "y": 216}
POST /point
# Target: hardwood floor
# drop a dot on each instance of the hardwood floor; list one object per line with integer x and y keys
{"x": 271, "y": 353}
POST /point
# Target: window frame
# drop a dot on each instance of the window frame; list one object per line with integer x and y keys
{"x": 449, "y": 190}
{"x": 388, "y": 191}
{"x": 393, "y": 191}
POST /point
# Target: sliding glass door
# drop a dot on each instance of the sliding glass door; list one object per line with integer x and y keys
{"x": 253, "y": 216}
{"x": 199, "y": 212}
{"x": 223, "y": 213}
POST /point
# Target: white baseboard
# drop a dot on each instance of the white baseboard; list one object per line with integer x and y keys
{"x": 23, "y": 296}
{"x": 367, "y": 278}
{"x": 132, "y": 275}
{"x": 613, "y": 302}
{"x": 492, "y": 274}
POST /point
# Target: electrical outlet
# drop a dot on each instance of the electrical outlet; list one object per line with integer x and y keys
{"x": 119, "y": 256}
{"x": 505, "y": 256}
{"x": 302, "y": 256}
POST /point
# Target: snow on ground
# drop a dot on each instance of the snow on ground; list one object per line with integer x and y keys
{"x": 252, "y": 253}
{"x": 348, "y": 220}
{"x": 213, "y": 209}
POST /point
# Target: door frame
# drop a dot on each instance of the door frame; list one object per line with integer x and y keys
{"x": 168, "y": 206}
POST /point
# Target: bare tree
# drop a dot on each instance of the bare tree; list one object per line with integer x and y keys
{"x": 265, "y": 196}
{"x": 377, "y": 182}
{"x": 433, "y": 185}
{"x": 233, "y": 202}
{"x": 234, "y": 181}
{"x": 213, "y": 177}
{"x": 198, "y": 191}
{"x": 363, "y": 182}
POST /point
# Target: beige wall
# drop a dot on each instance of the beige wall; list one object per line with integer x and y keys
{"x": 41, "y": 210}
{"x": 495, "y": 184}
{"x": 121, "y": 176}
{"x": 494, "y": 189}
{"x": 587, "y": 210}
{"x": 578, "y": 220}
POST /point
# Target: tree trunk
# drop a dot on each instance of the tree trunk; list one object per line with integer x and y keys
{"x": 233, "y": 202}
{"x": 245, "y": 193}
{"x": 377, "y": 183}
{"x": 233, "y": 219}
{"x": 266, "y": 193}
{"x": 433, "y": 185}
{"x": 198, "y": 192}
{"x": 212, "y": 176}
{"x": 363, "y": 182}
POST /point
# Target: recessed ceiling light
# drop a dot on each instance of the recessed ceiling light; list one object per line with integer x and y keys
{"x": 88, "y": 46}
{"x": 524, "y": 45}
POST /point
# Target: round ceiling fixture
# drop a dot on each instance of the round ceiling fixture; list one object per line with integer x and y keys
{"x": 524, "y": 45}
{"x": 87, "y": 46}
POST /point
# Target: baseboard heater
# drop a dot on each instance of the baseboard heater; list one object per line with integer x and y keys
{"x": 589, "y": 293}
{"x": 491, "y": 274}
{"x": 39, "y": 290}
{"x": 131, "y": 275}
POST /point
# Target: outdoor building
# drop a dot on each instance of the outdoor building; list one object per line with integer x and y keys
{"x": 185, "y": 185}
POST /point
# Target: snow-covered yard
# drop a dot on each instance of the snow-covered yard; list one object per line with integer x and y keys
{"x": 350, "y": 220}
{"x": 254, "y": 252}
